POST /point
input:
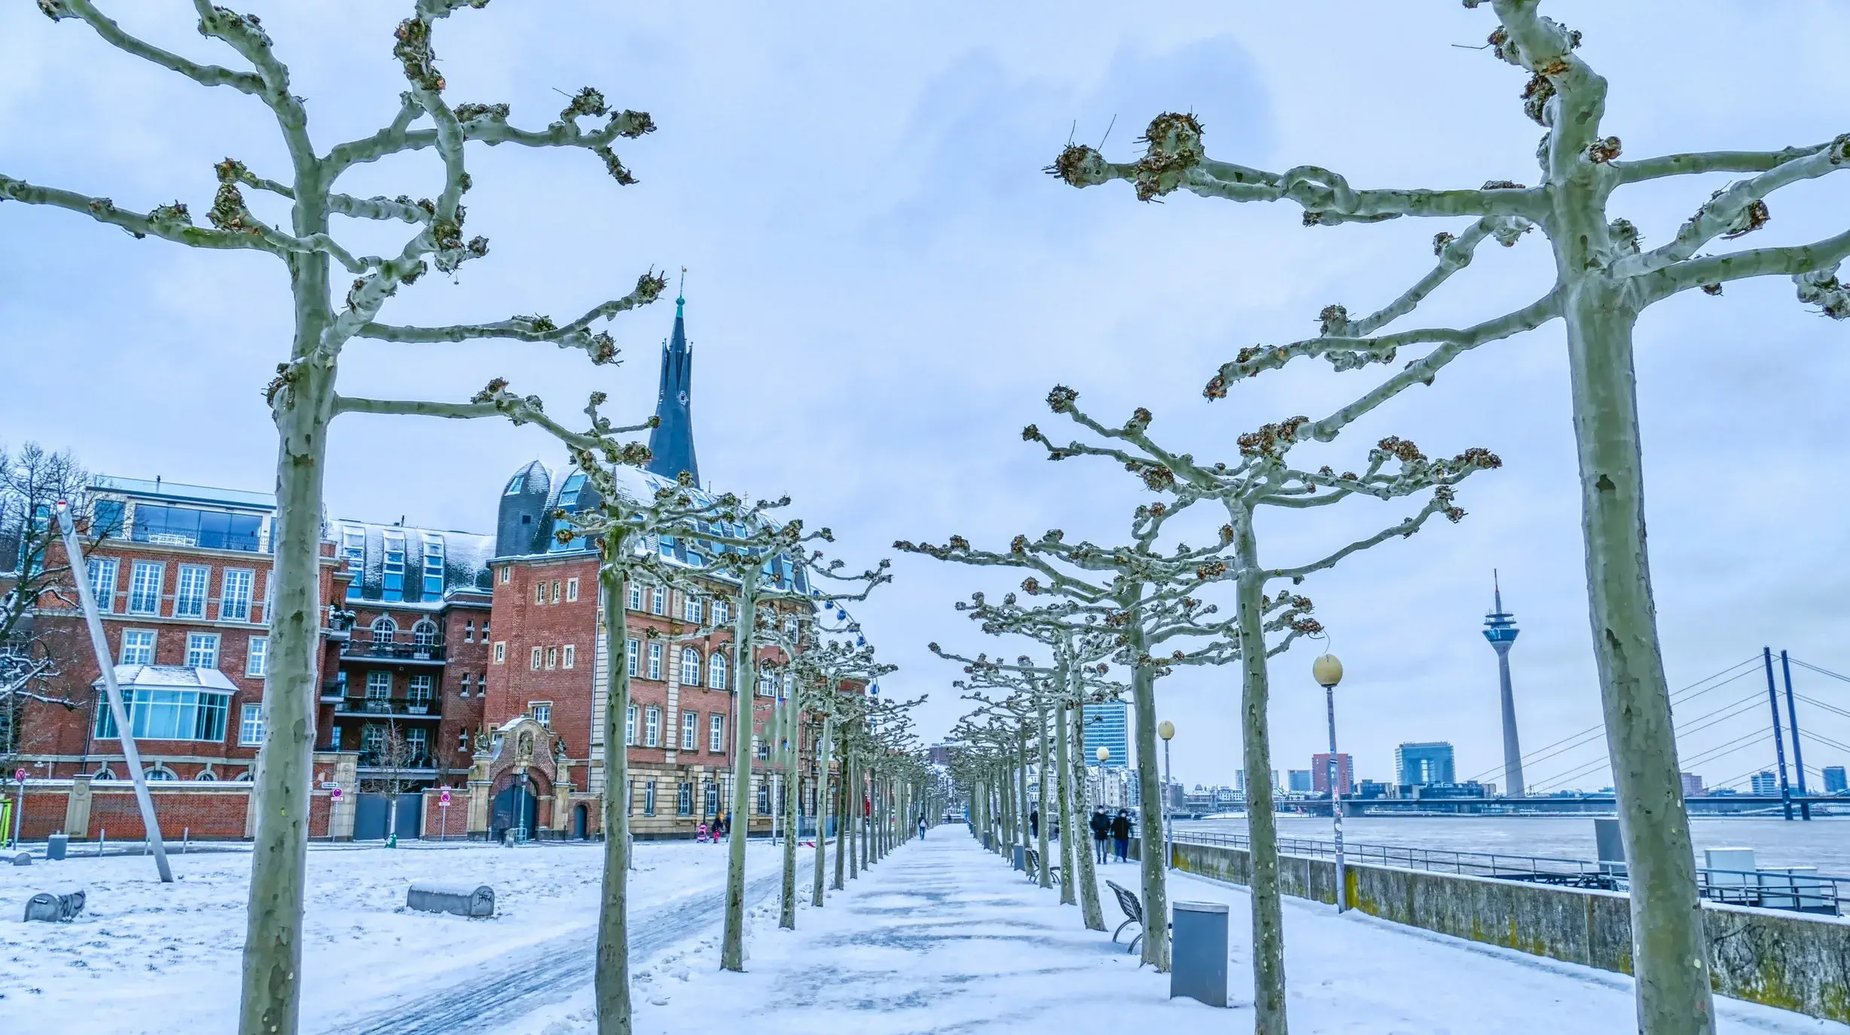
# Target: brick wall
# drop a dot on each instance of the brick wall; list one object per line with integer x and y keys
{"x": 203, "y": 812}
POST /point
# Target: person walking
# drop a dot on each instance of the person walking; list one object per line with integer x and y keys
{"x": 921, "y": 827}
{"x": 1121, "y": 833}
{"x": 1034, "y": 822}
{"x": 1101, "y": 829}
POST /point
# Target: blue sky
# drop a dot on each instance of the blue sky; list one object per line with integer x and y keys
{"x": 883, "y": 286}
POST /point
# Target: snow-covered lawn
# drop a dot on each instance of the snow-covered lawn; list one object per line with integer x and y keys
{"x": 148, "y": 958}
{"x": 944, "y": 938}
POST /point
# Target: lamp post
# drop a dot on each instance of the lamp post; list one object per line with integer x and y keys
{"x": 1104, "y": 755}
{"x": 1167, "y": 731}
{"x": 1328, "y": 671}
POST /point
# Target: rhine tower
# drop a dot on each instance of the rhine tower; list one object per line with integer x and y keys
{"x": 1500, "y": 629}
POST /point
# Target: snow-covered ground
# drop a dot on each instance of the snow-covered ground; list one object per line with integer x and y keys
{"x": 148, "y": 958}
{"x": 944, "y": 938}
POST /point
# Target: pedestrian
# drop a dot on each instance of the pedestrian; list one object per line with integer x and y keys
{"x": 700, "y": 833}
{"x": 1121, "y": 833}
{"x": 921, "y": 827}
{"x": 1101, "y": 829}
{"x": 1034, "y": 822}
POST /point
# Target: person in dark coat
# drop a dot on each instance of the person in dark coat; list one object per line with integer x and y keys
{"x": 1101, "y": 829}
{"x": 1121, "y": 833}
{"x": 1034, "y": 822}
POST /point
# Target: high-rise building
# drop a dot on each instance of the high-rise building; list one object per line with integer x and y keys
{"x": 1427, "y": 762}
{"x": 1320, "y": 773}
{"x": 1692, "y": 786}
{"x": 1500, "y": 629}
{"x": 1834, "y": 780}
{"x": 1108, "y": 726}
{"x": 1765, "y": 783}
{"x": 1298, "y": 781}
{"x": 1239, "y": 780}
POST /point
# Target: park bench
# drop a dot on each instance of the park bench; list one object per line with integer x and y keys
{"x": 1133, "y": 914}
{"x": 1034, "y": 868}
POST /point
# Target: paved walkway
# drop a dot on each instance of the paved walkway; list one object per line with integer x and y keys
{"x": 945, "y": 938}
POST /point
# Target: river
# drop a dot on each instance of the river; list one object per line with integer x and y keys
{"x": 1823, "y": 843}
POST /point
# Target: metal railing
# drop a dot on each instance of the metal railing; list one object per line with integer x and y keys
{"x": 1790, "y": 888}
{"x": 397, "y": 651}
{"x": 425, "y": 707}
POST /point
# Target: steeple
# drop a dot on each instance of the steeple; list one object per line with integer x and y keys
{"x": 671, "y": 443}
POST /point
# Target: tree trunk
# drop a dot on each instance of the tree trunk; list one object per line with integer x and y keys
{"x": 1040, "y": 728}
{"x": 732, "y": 945}
{"x": 611, "y": 983}
{"x": 1261, "y": 822}
{"x": 1669, "y": 947}
{"x": 1149, "y": 821}
{"x": 787, "y": 914}
{"x": 841, "y": 824}
{"x": 271, "y": 993}
{"x": 1064, "y": 783}
{"x": 822, "y": 810}
{"x": 1080, "y": 832}
{"x": 1021, "y": 785}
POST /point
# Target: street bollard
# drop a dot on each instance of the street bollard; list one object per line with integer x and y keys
{"x": 55, "y": 846}
{"x": 1198, "y": 952}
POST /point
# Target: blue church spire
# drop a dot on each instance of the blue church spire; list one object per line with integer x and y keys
{"x": 671, "y": 443}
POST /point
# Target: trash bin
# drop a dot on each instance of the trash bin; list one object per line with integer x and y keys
{"x": 1021, "y": 858}
{"x": 1198, "y": 952}
{"x": 55, "y": 845}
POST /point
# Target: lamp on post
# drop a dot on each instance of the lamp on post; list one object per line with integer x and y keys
{"x": 1103, "y": 754}
{"x": 1167, "y": 731}
{"x": 1328, "y": 672}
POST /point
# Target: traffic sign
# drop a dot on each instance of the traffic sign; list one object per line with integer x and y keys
{"x": 443, "y": 799}
{"x": 19, "y": 775}
{"x": 334, "y": 794}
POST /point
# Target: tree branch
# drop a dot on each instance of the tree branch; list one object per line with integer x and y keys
{"x": 204, "y": 75}
{"x": 1792, "y": 260}
{"x": 1698, "y": 162}
{"x": 534, "y": 328}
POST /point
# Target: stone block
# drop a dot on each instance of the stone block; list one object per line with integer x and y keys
{"x": 460, "y": 899}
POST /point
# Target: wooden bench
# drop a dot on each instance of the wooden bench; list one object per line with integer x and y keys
{"x": 1133, "y": 914}
{"x": 1034, "y": 868}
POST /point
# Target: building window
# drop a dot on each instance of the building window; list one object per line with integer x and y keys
{"x": 684, "y": 800}
{"x": 138, "y": 646}
{"x": 552, "y": 657}
{"x": 541, "y": 712}
{"x": 372, "y": 743}
{"x": 469, "y": 631}
{"x": 716, "y": 734}
{"x": 201, "y": 650}
{"x": 392, "y": 583}
{"x": 764, "y": 797}
{"x": 713, "y": 799}
{"x": 690, "y": 608}
{"x": 767, "y": 679}
{"x": 538, "y": 658}
{"x": 690, "y": 730}
{"x": 420, "y": 693}
{"x": 539, "y": 592}
{"x": 417, "y": 748}
{"x": 655, "y": 661}
{"x": 378, "y": 685}
{"x": 462, "y": 686}
{"x": 484, "y": 630}
{"x": 189, "y": 599}
{"x": 384, "y": 629}
{"x": 144, "y": 588}
{"x": 635, "y": 595}
{"x": 722, "y": 612}
{"x": 634, "y": 652}
{"x": 500, "y": 652}
{"x": 629, "y": 726}
{"x": 507, "y": 574}
{"x": 690, "y": 666}
{"x": 716, "y": 670}
{"x": 433, "y": 566}
{"x": 790, "y": 628}
{"x": 571, "y": 590}
{"x": 694, "y": 559}
{"x": 424, "y": 634}
{"x": 648, "y": 798}
{"x": 658, "y": 600}
{"x": 652, "y": 727}
{"x": 168, "y": 715}
{"x": 250, "y": 725}
{"x": 103, "y": 582}
{"x": 234, "y": 601}
{"x": 257, "y": 656}
{"x": 158, "y": 772}
{"x": 555, "y": 591}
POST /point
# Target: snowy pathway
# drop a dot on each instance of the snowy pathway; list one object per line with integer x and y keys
{"x": 944, "y": 938}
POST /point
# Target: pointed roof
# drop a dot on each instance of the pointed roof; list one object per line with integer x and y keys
{"x": 671, "y": 443}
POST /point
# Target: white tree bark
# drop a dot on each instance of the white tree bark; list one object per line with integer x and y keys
{"x": 1262, "y": 823}
{"x": 612, "y": 978}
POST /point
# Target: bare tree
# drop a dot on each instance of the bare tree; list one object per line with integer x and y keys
{"x": 393, "y": 760}
{"x": 302, "y": 397}
{"x": 1605, "y": 279}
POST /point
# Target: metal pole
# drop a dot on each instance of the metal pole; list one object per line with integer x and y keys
{"x": 125, "y": 733}
{"x": 1779, "y": 740}
{"x": 1336, "y": 803}
{"x": 19, "y": 809}
{"x": 1798, "y": 758}
{"x": 1169, "y": 827}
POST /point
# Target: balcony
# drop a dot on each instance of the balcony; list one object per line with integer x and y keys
{"x": 405, "y": 653}
{"x": 389, "y": 708}
{"x": 415, "y": 767}
{"x": 333, "y": 690}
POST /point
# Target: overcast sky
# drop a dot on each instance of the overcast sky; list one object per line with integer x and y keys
{"x": 882, "y": 286}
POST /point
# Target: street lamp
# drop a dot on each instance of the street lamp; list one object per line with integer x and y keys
{"x": 1103, "y": 754}
{"x": 1328, "y": 672}
{"x": 1167, "y": 731}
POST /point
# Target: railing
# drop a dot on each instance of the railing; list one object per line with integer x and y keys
{"x": 333, "y": 690}
{"x": 395, "y": 651}
{"x": 414, "y": 764}
{"x": 394, "y": 706}
{"x": 1794, "y": 888}
{"x": 203, "y": 540}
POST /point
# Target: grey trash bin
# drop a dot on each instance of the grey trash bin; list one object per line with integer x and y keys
{"x": 1198, "y": 952}
{"x": 55, "y": 845}
{"x": 1021, "y": 858}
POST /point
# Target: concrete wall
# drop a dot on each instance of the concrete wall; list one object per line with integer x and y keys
{"x": 1793, "y": 961}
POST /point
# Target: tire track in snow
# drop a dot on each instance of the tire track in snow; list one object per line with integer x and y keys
{"x": 553, "y": 969}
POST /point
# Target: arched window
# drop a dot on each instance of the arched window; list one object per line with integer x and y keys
{"x": 690, "y": 667}
{"x": 424, "y": 634}
{"x": 384, "y": 629}
{"x": 158, "y": 772}
{"x": 246, "y": 776}
{"x": 716, "y": 670}
{"x": 767, "y": 679}
{"x": 205, "y": 776}
{"x": 104, "y": 773}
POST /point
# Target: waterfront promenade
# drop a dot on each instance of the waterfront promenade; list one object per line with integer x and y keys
{"x": 943, "y": 937}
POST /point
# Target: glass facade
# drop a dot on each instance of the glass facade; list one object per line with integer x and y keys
{"x": 1108, "y": 726}
{"x": 167, "y": 714}
{"x": 1417, "y": 765}
{"x": 186, "y": 526}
